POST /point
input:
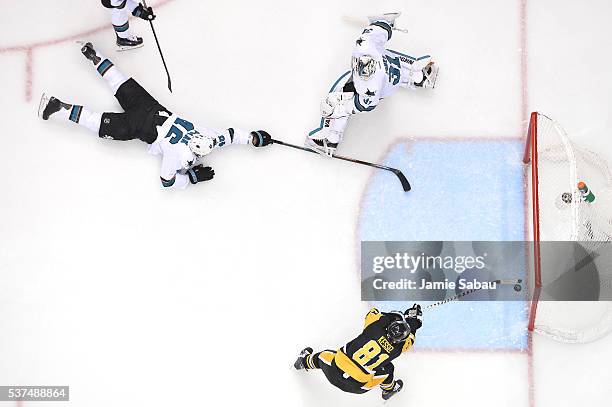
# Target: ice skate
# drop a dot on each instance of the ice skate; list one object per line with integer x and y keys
{"x": 430, "y": 75}
{"x": 89, "y": 52}
{"x": 300, "y": 363}
{"x": 131, "y": 42}
{"x": 50, "y": 105}
{"x": 388, "y": 17}
{"x": 322, "y": 146}
{"x": 387, "y": 394}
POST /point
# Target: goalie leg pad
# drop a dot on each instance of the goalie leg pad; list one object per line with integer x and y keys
{"x": 337, "y": 105}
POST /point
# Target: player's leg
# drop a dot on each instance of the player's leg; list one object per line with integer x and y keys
{"x": 142, "y": 111}
{"x": 389, "y": 386}
{"x": 415, "y": 72}
{"x": 52, "y": 108}
{"x": 109, "y": 72}
{"x": 115, "y": 126}
{"x": 305, "y": 361}
{"x": 308, "y": 360}
{"x": 328, "y": 136}
{"x": 120, "y": 11}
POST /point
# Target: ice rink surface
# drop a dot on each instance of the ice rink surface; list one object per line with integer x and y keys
{"x": 134, "y": 295}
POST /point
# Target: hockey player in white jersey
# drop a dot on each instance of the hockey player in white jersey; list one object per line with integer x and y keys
{"x": 120, "y": 11}
{"x": 181, "y": 143}
{"x": 376, "y": 73}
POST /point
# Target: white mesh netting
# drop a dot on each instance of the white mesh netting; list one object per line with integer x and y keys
{"x": 565, "y": 216}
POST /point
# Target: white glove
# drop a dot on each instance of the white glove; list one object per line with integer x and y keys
{"x": 334, "y": 106}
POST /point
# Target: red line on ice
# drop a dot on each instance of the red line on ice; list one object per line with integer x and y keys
{"x": 29, "y": 49}
{"x": 29, "y": 74}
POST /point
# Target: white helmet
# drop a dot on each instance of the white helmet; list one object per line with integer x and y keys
{"x": 364, "y": 66}
{"x": 200, "y": 145}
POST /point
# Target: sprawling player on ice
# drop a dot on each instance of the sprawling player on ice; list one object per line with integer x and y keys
{"x": 120, "y": 11}
{"x": 377, "y": 73}
{"x": 365, "y": 362}
{"x": 180, "y": 142}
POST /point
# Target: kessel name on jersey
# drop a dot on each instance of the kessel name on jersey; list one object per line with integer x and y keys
{"x": 385, "y": 344}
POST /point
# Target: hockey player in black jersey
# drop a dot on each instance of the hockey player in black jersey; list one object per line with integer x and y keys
{"x": 366, "y": 361}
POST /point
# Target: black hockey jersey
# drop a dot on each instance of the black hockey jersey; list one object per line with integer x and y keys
{"x": 366, "y": 357}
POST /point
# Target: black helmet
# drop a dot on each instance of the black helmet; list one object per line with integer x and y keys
{"x": 398, "y": 331}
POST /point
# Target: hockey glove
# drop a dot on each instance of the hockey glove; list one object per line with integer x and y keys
{"x": 412, "y": 317}
{"x": 260, "y": 138}
{"x": 200, "y": 173}
{"x": 415, "y": 324}
{"x": 145, "y": 13}
{"x": 414, "y": 311}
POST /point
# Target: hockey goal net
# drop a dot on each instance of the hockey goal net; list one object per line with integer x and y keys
{"x": 560, "y": 211}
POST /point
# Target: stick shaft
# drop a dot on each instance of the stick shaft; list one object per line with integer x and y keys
{"x": 463, "y": 294}
{"x": 405, "y": 184}
{"x": 161, "y": 54}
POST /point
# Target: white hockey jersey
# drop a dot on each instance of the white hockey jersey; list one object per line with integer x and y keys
{"x": 394, "y": 69}
{"x": 177, "y": 158}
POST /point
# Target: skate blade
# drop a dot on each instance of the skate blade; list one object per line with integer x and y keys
{"x": 122, "y": 48}
{"x": 317, "y": 149}
{"x": 44, "y": 101}
{"x": 434, "y": 78}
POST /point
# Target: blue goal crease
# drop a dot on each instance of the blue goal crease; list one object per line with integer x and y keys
{"x": 455, "y": 198}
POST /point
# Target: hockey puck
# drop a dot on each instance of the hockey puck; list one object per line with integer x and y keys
{"x": 517, "y": 287}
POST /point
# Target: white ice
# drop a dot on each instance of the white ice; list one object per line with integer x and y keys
{"x": 134, "y": 295}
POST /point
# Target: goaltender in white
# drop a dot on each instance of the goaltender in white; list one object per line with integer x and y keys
{"x": 376, "y": 73}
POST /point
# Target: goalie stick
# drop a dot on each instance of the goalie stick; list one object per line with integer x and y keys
{"x": 161, "y": 54}
{"x": 515, "y": 283}
{"x": 405, "y": 184}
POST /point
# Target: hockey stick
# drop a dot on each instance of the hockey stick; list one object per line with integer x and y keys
{"x": 515, "y": 283}
{"x": 405, "y": 184}
{"x": 144, "y": 3}
{"x": 363, "y": 21}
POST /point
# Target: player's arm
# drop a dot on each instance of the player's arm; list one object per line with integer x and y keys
{"x": 171, "y": 175}
{"x": 176, "y": 181}
{"x": 412, "y": 316}
{"x": 258, "y": 138}
{"x": 372, "y": 316}
{"x": 134, "y": 7}
{"x": 178, "y": 172}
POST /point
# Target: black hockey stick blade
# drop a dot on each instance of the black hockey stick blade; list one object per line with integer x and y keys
{"x": 404, "y": 181}
{"x": 161, "y": 54}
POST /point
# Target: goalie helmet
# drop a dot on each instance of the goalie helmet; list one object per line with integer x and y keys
{"x": 364, "y": 66}
{"x": 200, "y": 145}
{"x": 398, "y": 330}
